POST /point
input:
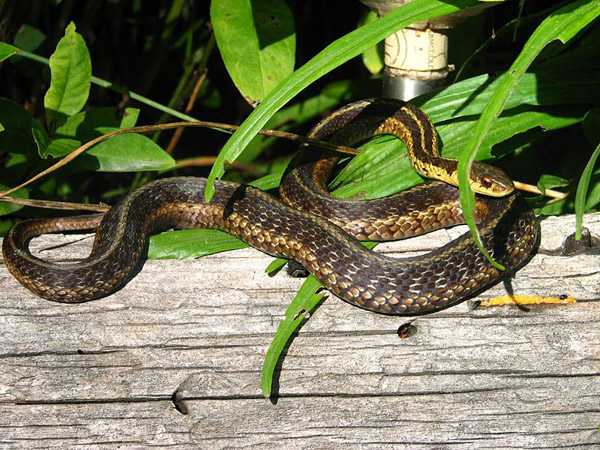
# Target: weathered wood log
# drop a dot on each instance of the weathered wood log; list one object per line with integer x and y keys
{"x": 174, "y": 359}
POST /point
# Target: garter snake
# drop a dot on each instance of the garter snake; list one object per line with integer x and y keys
{"x": 301, "y": 229}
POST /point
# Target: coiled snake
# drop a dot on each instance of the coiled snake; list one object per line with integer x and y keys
{"x": 302, "y": 232}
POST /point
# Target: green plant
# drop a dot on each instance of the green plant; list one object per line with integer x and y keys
{"x": 541, "y": 101}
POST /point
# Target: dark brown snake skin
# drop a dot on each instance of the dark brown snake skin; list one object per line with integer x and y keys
{"x": 362, "y": 277}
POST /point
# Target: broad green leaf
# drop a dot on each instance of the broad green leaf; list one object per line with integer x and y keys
{"x": 555, "y": 208}
{"x": 551, "y": 182}
{"x": 29, "y": 38}
{"x": 61, "y": 147}
{"x": 470, "y": 97}
{"x": 591, "y": 125}
{"x": 372, "y": 57}
{"x": 334, "y": 55}
{"x": 6, "y": 51}
{"x": 19, "y": 127}
{"x": 125, "y": 153}
{"x": 71, "y": 72}
{"x": 455, "y": 134}
{"x": 9, "y": 208}
{"x": 130, "y": 117}
{"x": 382, "y": 168}
{"x": 40, "y": 136}
{"x": 257, "y": 41}
{"x": 562, "y": 24}
{"x": 548, "y": 83}
{"x": 87, "y": 125}
{"x": 81, "y": 127}
{"x": 184, "y": 244}
{"x": 582, "y": 191}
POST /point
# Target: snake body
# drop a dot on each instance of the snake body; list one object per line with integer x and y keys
{"x": 302, "y": 231}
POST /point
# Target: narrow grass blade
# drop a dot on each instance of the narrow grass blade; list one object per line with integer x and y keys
{"x": 582, "y": 190}
{"x": 563, "y": 25}
{"x": 302, "y": 305}
{"x": 337, "y": 53}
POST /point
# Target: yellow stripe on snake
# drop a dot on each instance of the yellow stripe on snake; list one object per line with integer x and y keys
{"x": 313, "y": 227}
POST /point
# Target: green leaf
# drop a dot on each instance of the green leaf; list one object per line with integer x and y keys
{"x": 71, "y": 72}
{"x": 372, "y": 57}
{"x": 19, "y": 126}
{"x": 79, "y": 128}
{"x": 593, "y": 195}
{"x": 276, "y": 265}
{"x": 582, "y": 190}
{"x": 298, "y": 113}
{"x": 130, "y": 117}
{"x": 548, "y": 84}
{"x": 9, "y": 208}
{"x": 184, "y": 244}
{"x": 382, "y": 168}
{"x": 88, "y": 125}
{"x": 84, "y": 125}
{"x": 270, "y": 181}
{"x": 591, "y": 125}
{"x": 61, "y": 147}
{"x": 456, "y": 134}
{"x": 29, "y": 38}
{"x": 334, "y": 55}
{"x": 303, "y": 304}
{"x": 41, "y": 138}
{"x": 127, "y": 153}
{"x": 551, "y": 182}
{"x": 6, "y": 51}
{"x": 562, "y": 24}
{"x": 257, "y": 41}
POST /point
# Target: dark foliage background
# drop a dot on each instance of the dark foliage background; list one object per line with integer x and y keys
{"x": 149, "y": 48}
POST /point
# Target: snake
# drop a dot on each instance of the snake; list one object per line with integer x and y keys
{"x": 309, "y": 225}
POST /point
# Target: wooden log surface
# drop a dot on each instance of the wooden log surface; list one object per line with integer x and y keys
{"x": 106, "y": 374}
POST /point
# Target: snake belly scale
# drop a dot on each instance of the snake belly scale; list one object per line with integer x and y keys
{"x": 303, "y": 231}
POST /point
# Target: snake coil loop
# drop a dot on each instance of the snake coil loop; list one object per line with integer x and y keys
{"x": 314, "y": 228}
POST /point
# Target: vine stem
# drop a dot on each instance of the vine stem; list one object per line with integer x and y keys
{"x": 167, "y": 126}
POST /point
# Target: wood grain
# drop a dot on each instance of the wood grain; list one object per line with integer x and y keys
{"x": 104, "y": 374}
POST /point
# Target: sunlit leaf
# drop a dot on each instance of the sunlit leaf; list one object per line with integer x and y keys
{"x": 7, "y": 50}
{"x": 257, "y": 41}
{"x": 71, "y": 71}
{"x": 184, "y": 244}
{"x": 337, "y": 53}
{"x": 562, "y": 24}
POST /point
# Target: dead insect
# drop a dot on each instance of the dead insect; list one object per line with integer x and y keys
{"x": 406, "y": 330}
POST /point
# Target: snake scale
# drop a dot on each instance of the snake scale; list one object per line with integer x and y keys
{"x": 313, "y": 228}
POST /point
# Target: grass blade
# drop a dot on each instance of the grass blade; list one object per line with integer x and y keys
{"x": 337, "y": 53}
{"x": 563, "y": 25}
{"x": 582, "y": 190}
{"x": 304, "y": 302}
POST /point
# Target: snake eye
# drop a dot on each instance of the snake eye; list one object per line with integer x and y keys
{"x": 486, "y": 182}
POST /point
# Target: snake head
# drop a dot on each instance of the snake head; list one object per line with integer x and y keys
{"x": 489, "y": 180}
